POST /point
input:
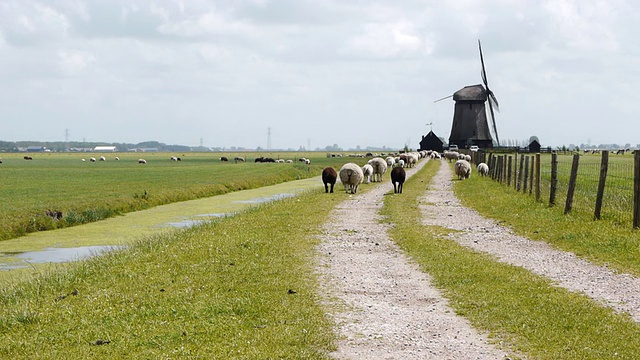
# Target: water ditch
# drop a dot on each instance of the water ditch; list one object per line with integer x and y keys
{"x": 64, "y": 245}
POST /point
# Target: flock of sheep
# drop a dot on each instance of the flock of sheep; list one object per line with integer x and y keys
{"x": 352, "y": 175}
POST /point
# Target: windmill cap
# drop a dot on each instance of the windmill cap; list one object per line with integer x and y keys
{"x": 471, "y": 93}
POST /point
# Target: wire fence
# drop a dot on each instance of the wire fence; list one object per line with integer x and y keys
{"x": 618, "y": 204}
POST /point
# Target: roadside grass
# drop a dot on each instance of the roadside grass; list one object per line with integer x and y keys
{"x": 522, "y": 312}
{"x": 242, "y": 287}
{"x": 84, "y": 192}
{"x": 603, "y": 242}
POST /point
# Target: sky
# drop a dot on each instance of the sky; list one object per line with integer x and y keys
{"x": 296, "y": 73}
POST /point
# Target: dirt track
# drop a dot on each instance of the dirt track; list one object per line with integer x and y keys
{"x": 390, "y": 309}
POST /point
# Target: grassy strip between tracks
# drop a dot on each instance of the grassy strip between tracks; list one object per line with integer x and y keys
{"x": 238, "y": 288}
{"x": 522, "y": 311}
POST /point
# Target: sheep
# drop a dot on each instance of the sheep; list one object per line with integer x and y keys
{"x": 307, "y": 161}
{"x": 289, "y": 161}
{"x": 379, "y": 168}
{"x": 463, "y": 169}
{"x": 239, "y": 158}
{"x": 117, "y": 158}
{"x": 102, "y": 158}
{"x": 367, "y": 171}
{"x": 142, "y": 161}
{"x": 224, "y": 158}
{"x": 83, "y": 160}
{"x": 329, "y": 177}
{"x": 390, "y": 161}
{"x": 0, "y": 160}
{"x": 451, "y": 155}
{"x": 401, "y": 163}
{"x": 351, "y": 176}
{"x": 483, "y": 169}
{"x": 398, "y": 175}
{"x": 28, "y": 158}
{"x": 173, "y": 158}
{"x": 468, "y": 158}
{"x": 92, "y": 159}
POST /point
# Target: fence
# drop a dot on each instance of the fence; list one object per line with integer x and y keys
{"x": 608, "y": 188}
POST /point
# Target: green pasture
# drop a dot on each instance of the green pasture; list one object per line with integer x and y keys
{"x": 87, "y": 191}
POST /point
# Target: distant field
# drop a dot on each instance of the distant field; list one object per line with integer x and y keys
{"x": 85, "y": 191}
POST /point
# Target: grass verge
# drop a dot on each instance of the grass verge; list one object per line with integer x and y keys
{"x": 602, "y": 242}
{"x": 237, "y": 288}
{"x": 523, "y": 312}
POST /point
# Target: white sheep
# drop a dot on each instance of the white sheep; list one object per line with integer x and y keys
{"x": 92, "y": 159}
{"x": 400, "y": 163}
{"x": 390, "y": 161}
{"x": 467, "y": 157}
{"x": 289, "y": 161}
{"x": 102, "y": 158}
{"x": 367, "y": 171}
{"x": 117, "y": 158}
{"x": 463, "y": 169}
{"x": 351, "y": 176}
{"x": 483, "y": 169}
{"x": 379, "y": 168}
{"x": 307, "y": 161}
{"x": 142, "y": 161}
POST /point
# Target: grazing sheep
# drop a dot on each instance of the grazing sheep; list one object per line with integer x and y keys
{"x": 289, "y": 161}
{"x": 398, "y": 175}
{"x": 28, "y": 158}
{"x": 483, "y": 169}
{"x": 142, "y": 161}
{"x": 351, "y": 176}
{"x": 379, "y": 168}
{"x": 463, "y": 169}
{"x": 467, "y": 157}
{"x": 307, "y": 161}
{"x": 117, "y": 158}
{"x": 239, "y": 158}
{"x": 451, "y": 155}
{"x": 92, "y": 159}
{"x": 83, "y": 160}
{"x": 367, "y": 171}
{"x": 0, "y": 160}
{"x": 329, "y": 177}
{"x": 173, "y": 158}
{"x": 224, "y": 158}
{"x": 102, "y": 158}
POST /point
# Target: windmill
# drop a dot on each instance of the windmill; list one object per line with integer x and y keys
{"x": 470, "y": 125}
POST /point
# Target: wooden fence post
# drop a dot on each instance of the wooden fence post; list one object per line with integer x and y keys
{"x": 572, "y": 183}
{"x": 526, "y": 174}
{"x": 509, "y": 170}
{"x": 531, "y": 175}
{"x": 519, "y": 182}
{"x": 515, "y": 171}
{"x": 636, "y": 190}
{"x": 538, "y": 177}
{"x": 554, "y": 178}
{"x": 504, "y": 169}
{"x": 604, "y": 165}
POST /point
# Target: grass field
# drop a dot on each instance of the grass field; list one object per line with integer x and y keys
{"x": 85, "y": 191}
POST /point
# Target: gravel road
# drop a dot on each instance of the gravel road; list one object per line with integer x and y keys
{"x": 390, "y": 310}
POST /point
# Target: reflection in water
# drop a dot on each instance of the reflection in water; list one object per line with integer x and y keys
{"x": 189, "y": 222}
{"x": 266, "y": 199}
{"x": 55, "y": 255}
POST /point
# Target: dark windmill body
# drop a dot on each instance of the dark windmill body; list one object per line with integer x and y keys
{"x": 471, "y": 121}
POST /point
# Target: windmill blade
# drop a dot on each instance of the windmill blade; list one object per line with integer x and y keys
{"x": 494, "y": 101}
{"x": 484, "y": 72}
{"x": 446, "y": 97}
{"x": 493, "y": 121}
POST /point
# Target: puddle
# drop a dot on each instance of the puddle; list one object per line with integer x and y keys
{"x": 190, "y": 222}
{"x": 266, "y": 199}
{"x": 56, "y": 255}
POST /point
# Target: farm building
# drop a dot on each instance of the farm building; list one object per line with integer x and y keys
{"x": 105, "y": 149}
{"x": 534, "y": 147}
{"x": 36, "y": 149}
{"x": 431, "y": 142}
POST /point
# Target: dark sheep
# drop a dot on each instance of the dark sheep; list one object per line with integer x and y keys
{"x": 224, "y": 158}
{"x": 398, "y": 175}
{"x": 329, "y": 176}
{"x": 28, "y": 158}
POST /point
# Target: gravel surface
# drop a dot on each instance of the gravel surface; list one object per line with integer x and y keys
{"x": 390, "y": 310}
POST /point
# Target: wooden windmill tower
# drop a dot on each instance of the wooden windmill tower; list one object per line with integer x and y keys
{"x": 470, "y": 124}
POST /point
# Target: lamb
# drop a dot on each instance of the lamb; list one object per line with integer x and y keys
{"x": 379, "y": 168}
{"x": 463, "y": 169}
{"x": 329, "y": 177}
{"x": 142, "y": 161}
{"x": 398, "y": 175}
{"x": 483, "y": 169}
{"x": 351, "y": 176}
{"x": 367, "y": 171}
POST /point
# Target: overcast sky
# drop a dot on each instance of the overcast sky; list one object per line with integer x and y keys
{"x": 318, "y": 72}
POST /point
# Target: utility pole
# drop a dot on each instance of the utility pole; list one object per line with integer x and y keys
{"x": 269, "y": 138}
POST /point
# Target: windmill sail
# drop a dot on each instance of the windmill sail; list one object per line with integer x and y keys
{"x": 490, "y": 95}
